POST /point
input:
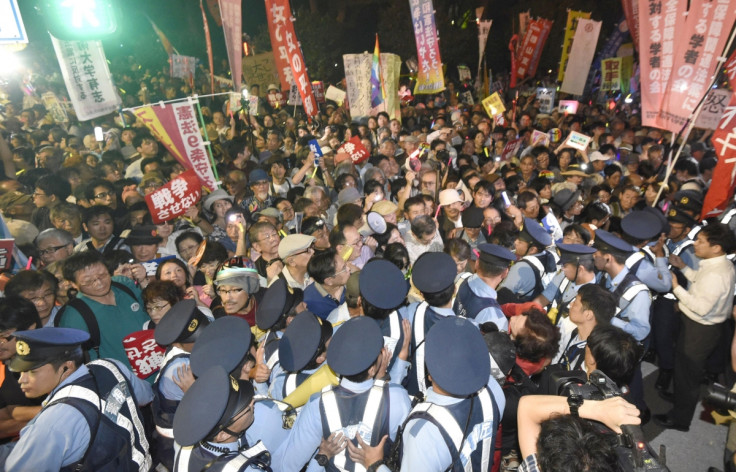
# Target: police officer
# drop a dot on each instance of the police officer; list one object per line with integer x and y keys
{"x": 382, "y": 290}
{"x": 302, "y": 350}
{"x": 71, "y": 430}
{"x": 210, "y": 425}
{"x": 528, "y": 277}
{"x": 178, "y": 329}
{"x": 360, "y": 405}
{"x": 577, "y": 270}
{"x": 633, "y": 296}
{"x": 228, "y": 343}
{"x": 280, "y": 304}
{"x": 433, "y": 275}
{"x": 476, "y": 296}
{"x": 648, "y": 262}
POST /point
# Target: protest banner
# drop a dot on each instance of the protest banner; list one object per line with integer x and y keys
{"x": 578, "y": 141}
{"x": 493, "y": 105}
{"x": 532, "y": 46}
{"x": 569, "y": 107}
{"x": 54, "y": 107}
{"x": 631, "y": 13}
{"x": 182, "y": 67}
{"x": 144, "y": 354}
{"x": 511, "y": 148}
{"x": 6, "y": 252}
{"x": 175, "y": 126}
{"x": 539, "y": 138}
{"x": 261, "y": 70}
{"x": 173, "y": 199}
{"x": 581, "y": 56}
{"x": 232, "y": 19}
{"x": 463, "y": 73}
{"x": 12, "y": 29}
{"x": 724, "y": 176}
{"x": 731, "y": 69}
{"x": 87, "y": 78}
{"x": 355, "y": 149}
{"x": 484, "y": 27}
{"x": 713, "y": 108}
{"x": 572, "y": 23}
{"x": 288, "y": 54}
{"x": 152, "y": 266}
{"x": 208, "y": 43}
{"x": 359, "y": 88}
{"x": 430, "y": 78}
{"x": 611, "y": 73}
{"x": 335, "y": 94}
{"x": 546, "y": 97}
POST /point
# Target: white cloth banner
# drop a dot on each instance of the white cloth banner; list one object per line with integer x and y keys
{"x": 232, "y": 19}
{"x": 87, "y": 78}
{"x": 191, "y": 138}
{"x": 581, "y": 56}
{"x": 484, "y": 27}
{"x": 358, "y": 81}
{"x": 713, "y": 109}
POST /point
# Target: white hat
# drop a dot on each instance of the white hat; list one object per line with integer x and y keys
{"x": 597, "y": 156}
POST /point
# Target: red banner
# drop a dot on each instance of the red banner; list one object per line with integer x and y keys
{"x": 232, "y": 26}
{"x": 174, "y": 198}
{"x": 208, "y": 40}
{"x": 144, "y": 354}
{"x": 514, "y": 67}
{"x": 175, "y": 126}
{"x": 731, "y": 70}
{"x": 631, "y": 12}
{"x": 531, "y": 48}
{"x": 724, "y": 176}
{"x": 288, "y": 54}
{"x": 355, "y": 149}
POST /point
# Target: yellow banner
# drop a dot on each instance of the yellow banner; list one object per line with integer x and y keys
{"x": 572, "y": 24}
{"x": 493, "y": 105}
{"x": 611, "y": 74}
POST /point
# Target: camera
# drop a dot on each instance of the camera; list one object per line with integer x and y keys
{"x": 634, "y": 453}
{"x": 719, "y": 397}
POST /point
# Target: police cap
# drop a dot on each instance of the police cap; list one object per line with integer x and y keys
{"x": 433, "y": 272}
{"x": 183, "y": 323}
{"x": 382, "y": 284}
{"x": 37, "y": 347}
{"x": 355, "y": 346}
{"x": 225, "y": 342}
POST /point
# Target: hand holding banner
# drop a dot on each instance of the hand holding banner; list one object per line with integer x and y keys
{"x": 174, "y": 198}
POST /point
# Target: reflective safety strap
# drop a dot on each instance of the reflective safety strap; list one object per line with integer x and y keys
{"x": 273, "y": 359}
{"x": 173, "y": 352}
{"x": 334, "y": 423}
{"x": 563, "y": 286}
{"x": 629, "y": 295}
{"x": 235, "y": 464}
{"x": 535, "y": 262}
{"x": 444, "y": 418}
{"x": 165, "y": 432}
{"x": 685, "y": 244}
{"x": 290, "y": 384}
{"x": 182, "y": 462}
{"x": 488, "y": 415}
{"x": 694, "y": 232}
{"x": 728, "y": 216}
{"x": 633, "y": 259}
{"x": 419, "y": 340}
{"x": 81, "y": 393}
{"x": 394, "y": 325}
{"x": 143, "y": 459}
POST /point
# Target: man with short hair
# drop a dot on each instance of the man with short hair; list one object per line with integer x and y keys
{"x": 98, "y": 222}
{"x": 259, "y": 183}
{"x": 38, "y": 287}
{"x": 265, "y": 240}
{"x": 50, "y": 191}
{"x": 423, "y": 237}
{"x": 330, "y": 273}
{"x": 54, "y": 245}
{"x": 145, "y": 146}
{"x": 91, "y": 419}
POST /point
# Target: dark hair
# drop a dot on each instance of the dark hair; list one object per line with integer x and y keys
{"x": 568, "y": 443}
{"x": 256, "y": 228}
{"x": 29, "y": 280}
{"x": 326, "y": 330}
{"x": 322, "y": 265}
{"x": 163, "y": 289}
{"x": 598, "y": 300}
{"x": 80, "y": 261}
{"x": 458, "y": 247}
{"x": 97, "y": 210}
{"x": 411, "y": 201}
{"x": 579, "y": 230}
{"x": 18, "y": 313}
{"x": 440, "y": 298}
{"x": 349, "y": 214}
{"x": 422, "y": 225}
{"x": 615, "y": 351}
{"x": 524, "y": 197}
{"x": 53, "y": 185}
{"x": 140, "y": 137}
{"x": 178, "y": 262}
{"x": 213, "y": 252}
{"x": 721, "y": 235}
{"x": 382, "y": 238}
{"x": 301, "y": 203}
{"x": 89, "y": 189}
{"x": 337, "y": 236}
{"x": 539, "y": 339}
{"x": 116, "y": 258}
{"x": 595, "y": 211}
{"x": 397, "y": 254}
{"x": 611, "y": 169}
{"x": 371, "y": 186}
{"x": 188, "y": 235}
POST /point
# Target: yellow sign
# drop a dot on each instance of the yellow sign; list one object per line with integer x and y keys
{"x": 493, "y": 105}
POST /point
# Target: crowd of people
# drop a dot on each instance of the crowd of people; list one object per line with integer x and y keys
{"x": 412, "y": 311}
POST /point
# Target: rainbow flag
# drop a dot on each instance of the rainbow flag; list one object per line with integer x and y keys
{"x": 377, "y": 91}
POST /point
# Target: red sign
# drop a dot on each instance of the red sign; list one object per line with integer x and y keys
{"x": 724, "y": 176}
{"x": 288, "y": 54}
{"x": 144, "y": 354}
{"x": 531, "y": 48}
{"x": 511, "y": 148}
{"x": 355, "y": 149}
{"x": 276, "y": 99}
{"x": 6, "y": 252}
{"x": 174, "y": 198}
{"x": 731, "y": 69}
{"x": 318, "y": 87}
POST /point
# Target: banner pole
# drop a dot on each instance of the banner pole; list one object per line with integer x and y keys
{"x": 195, "y": 100}
{"x": 176, "y": 100}
{"x": 688, "y": 127}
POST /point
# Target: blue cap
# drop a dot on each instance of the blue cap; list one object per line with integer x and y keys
{"x": 225, "y": 342}
{"x": 676, "y": 215}
{"x": 257, "y": 175}
{"x": 606, "y": 242}
{"x": 575, "y": 252}
{"x": 495, "y": 254}
{"x": 355, "y": 346}
{"x": 37, "y": 347}
{"x": 433, "y": 272}
{"x": 457, "y": 356}
{"x": 689, "y": 200}
{"x": 535, "y": 233}
{"x": 300, "y": 342}
{"x": 382, "y": 284}
{"x": 211, "y": 402}
{"x": 277, "y": 300}
{"x": 641, "y": 225}
{"x": 183, "y": 323}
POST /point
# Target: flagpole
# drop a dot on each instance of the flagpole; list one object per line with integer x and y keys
{"x": 192, "y": 101}
{"x": 688, "y": 127}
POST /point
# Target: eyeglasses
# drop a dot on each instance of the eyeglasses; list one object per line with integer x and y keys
{"x": 345, "y": 269}
{"x": 51, "y": 249}
{"x": 44, "y": 297}
{"x": 102, "y": 278}
{"x": 235, "y": 291}
{"x": 357, "y": 243}
{"x": 102, "y": 195}
{"x": 152, "y": 308}
{"x": 269, "y": 236}
{"x": 310, "y": 249}
{"x": 37, "y": 194}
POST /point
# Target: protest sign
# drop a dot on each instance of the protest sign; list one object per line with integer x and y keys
{"x": 569, "y": 107}
{"x": 430, "y": 78}
{"x": 335, "y": 94}
{"x": 581, "y": 56}
{"x": 355, "y": 149}
{"x": 182, "y": 67}
{"x": 578, "y": 141}
{"x": 6, "y": 252}
{"x": 493, "y": 105}
{"x": 572, "y": 24}
{"x": 12, "y": 29}
{"x": 713, "y": 109}
{"x": 174, "y": 198}
{"x": 546, "y": 97}
{"x": 54, "y": 107}
{"x": 144, "y": 354}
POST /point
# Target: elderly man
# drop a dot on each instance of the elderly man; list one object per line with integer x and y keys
{"x": 54, "y": 245}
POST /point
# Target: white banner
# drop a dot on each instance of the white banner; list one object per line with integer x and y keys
{"x": 581, "y": 56}
{"x": 713, "y": 109}
{"x": 232, "y": 18}
{"x": 483, "y": 28}
{"x": 87, "y": 78}
{"x": 183, "y": 67}
{"x": 12, "y": 29}
{"x": 358, "y": 81}
{"x": 546, "y": 97}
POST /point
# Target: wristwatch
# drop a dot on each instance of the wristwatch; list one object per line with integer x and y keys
{"x": 321, "y": 459}
{"x": 574, "y": 401}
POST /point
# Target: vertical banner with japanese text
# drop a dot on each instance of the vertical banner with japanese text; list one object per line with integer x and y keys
{"x": 358, "y": 82}
{"x": 531, "y": 48}
{"x": 611, "y": 73}
{"x": 715, "y": 105}
{"x": 232, "y": 26}
{"x": 581, "y": 56}
{"x": 173, "y": 199}
{"x": 658, "y": 22}
{"x": 572, "y": 24}
{"x": 429, "y": 77}
{"x": 175, "y": 126}
{"x": 631, "y": 13}
{"x": 724, "y": 176}
{"x": 287, "y": 51}
{"x": 208, "y": 41}
{"x": 87, "y": 78}
{"x": 484, "y": 27}
{"x": 697, "y": 50}
{"x": 730, "y": 66}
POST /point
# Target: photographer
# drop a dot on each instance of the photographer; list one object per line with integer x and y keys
{"x": 553, "y": 434}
